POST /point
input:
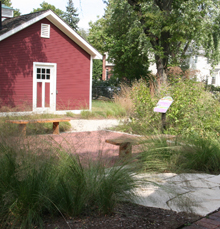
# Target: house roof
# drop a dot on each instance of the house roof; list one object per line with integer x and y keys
{"x": 6, "y": 7}
{"x": 13, "y": 25}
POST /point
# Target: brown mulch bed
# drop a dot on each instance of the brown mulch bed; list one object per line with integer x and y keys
{"x": 127, "y": 215}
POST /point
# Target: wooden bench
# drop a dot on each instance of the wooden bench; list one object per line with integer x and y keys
{"x": 125, "y": 143}
{"x": 22, "y": 123}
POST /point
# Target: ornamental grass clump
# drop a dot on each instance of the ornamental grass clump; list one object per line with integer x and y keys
{"x": 199, "y": 154}
{"x": 26, "y": 183}
{"x": 182, "y": 155}
{"x": 39, "y": 181}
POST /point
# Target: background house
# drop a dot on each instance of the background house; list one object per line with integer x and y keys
{"x": 107, "y": 67}
{"x": 205, "y": 71}
{"x": 45, "y": 65}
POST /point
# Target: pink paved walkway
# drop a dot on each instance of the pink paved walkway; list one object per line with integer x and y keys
{"x": 89, "y": 144}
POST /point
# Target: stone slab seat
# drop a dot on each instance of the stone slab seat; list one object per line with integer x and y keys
{"x": 22, "y": 123}
{"x": 125, "y": 143}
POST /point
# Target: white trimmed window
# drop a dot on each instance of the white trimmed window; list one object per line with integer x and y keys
{"x": 213, "y": 80}
{"x": 45, "y": 30}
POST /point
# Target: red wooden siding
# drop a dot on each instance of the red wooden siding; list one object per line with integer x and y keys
{"x": 18, "y": 52}
{"x": 47, "y": 94}
{"x": 39, "y": 94}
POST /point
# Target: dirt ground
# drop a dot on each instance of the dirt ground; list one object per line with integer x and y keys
{"x": 127, "y": 215}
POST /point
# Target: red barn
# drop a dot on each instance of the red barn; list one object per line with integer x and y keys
{"x": 44, "y": 65}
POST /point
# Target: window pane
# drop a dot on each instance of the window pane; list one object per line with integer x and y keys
{"x": 43, "y": 70}
{"x": 48, "y": 71}
{"x": 48, "y": 77}
{"x": 43, "y": 76}
{"x": 38, "y": 76}
{"x": 38, "y": 70}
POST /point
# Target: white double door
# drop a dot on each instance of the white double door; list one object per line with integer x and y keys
{"x": 44, "y": 86}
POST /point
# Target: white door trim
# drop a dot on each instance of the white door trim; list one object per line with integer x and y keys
{"x": 53, "y": 86}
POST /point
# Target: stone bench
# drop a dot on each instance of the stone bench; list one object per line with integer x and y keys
{"x": 125, "y": 143}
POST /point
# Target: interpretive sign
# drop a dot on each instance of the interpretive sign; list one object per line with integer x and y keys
{"x": 163, "y": 104}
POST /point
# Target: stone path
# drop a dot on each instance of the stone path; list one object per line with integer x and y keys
{"x": 197, "y": 193}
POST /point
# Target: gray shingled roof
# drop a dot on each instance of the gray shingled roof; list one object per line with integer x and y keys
{"x": 11, "y": 23}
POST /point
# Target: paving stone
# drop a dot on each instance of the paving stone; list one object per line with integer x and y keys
{"x": 210, "y": 221}
{"x": 206, "y": 223}
{"x": 157, "y": 178}
{"x": 214, "y": 218}
{"x": 198, "y": 184}
{"x": 157, "y": 196}
{"x": 194, "y": 227}
{"x": 190, "y": 176}
{"x": 214, "y": 179}
{"x": 200, "y": 202}
{"x": 217, "y": 214}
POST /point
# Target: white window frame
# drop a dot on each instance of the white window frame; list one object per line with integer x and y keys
{"x": 43, "y": 28}
{"x": 53, "y": 86}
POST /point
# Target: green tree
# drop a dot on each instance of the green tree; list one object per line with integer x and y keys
{"x": 45, "y": 6}
{"x": 71, "y": 16}
{"x": 83, "y": 33}
{"x": 97, "y": 70}
{"x": 172, "y": 26}
{"x": 6, "y": 2}
{"x": 97, "y": 36}
{"x": 119, "y": 33}
{"x": 126, "y": 42}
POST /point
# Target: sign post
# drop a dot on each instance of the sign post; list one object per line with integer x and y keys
{"x": 162, "y": 107}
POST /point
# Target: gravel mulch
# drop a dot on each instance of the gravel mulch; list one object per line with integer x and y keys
{"x": 127, "y": 215}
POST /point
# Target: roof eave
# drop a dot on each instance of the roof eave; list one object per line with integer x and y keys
{"x": 66, "y": 29}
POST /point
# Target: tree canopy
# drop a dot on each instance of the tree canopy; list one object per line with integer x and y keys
{"x": 71, "y": 16}
{"x": 46, "y": 6}
{"x": 119, "y": 33}
{"x": 175, "y": 29}
{"x": 172, "y": 26}
{"x": 127, "y": 45}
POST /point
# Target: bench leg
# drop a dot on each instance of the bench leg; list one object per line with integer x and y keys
{"x": 125, "y": 149}
{"x": 56, "y": 128}
{"x": 22, "y": 129}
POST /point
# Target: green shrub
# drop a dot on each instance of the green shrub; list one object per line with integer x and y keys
{"x": 193, "y": 110}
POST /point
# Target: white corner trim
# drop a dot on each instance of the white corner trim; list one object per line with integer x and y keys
{"x": 58, "y": 22}
{"x": 90, "y": 89}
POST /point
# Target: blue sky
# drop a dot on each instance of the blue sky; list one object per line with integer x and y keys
{"x": 88, "y": 9}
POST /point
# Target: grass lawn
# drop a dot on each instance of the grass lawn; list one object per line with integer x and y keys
{"x": 102, "y": 109}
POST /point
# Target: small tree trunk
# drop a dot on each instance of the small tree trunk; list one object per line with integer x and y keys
{"x": 160, "y": 69}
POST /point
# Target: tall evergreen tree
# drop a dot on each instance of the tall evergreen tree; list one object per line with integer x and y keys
{"x": 71, "y": 15}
